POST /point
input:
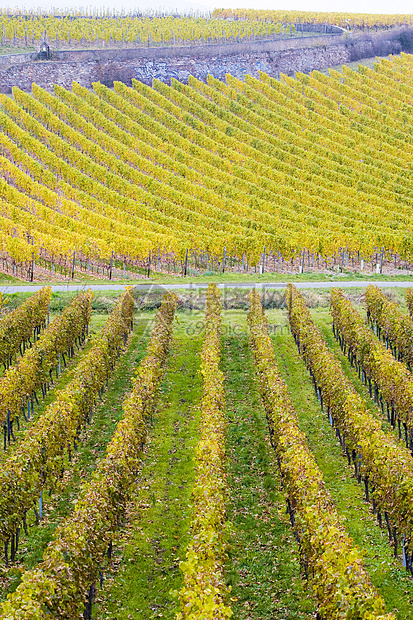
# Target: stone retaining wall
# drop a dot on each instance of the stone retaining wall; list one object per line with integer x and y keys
{"x": 238, "y": 59}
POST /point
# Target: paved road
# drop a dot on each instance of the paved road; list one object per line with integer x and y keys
{"x": 196, "y": 286}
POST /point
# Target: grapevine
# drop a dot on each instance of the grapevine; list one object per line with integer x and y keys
{"x": 384, "y": 466}
{"x": 204, "y": 594}
{"x": 18, "y": 327}
{"x": 390, "y": 380}
{"x": 71, "y": 564}
{"x": 391, "y": 324}
{"x": 339, "y": 580}
{"x": 33, "y": 370}
{"x": 39, "y": 459}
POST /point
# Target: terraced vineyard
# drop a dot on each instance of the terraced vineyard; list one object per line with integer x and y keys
{"x": 282, "y": 173}
{"x": 345, "y": 20}
{"x": 207, "y": 467}
{"x": 96, "y": 28}
{"x": 104, "y": 30}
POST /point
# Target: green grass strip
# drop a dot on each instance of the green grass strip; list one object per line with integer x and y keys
{"x": 263, "y": 568}
{"x": 145, "y": 569}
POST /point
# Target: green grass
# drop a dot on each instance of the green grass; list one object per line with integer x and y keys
{"x": 145, "y": 568}
{"x": 94, "y": 439}
{"x": 263, "y": 567}
{"x": 102, "y": 302}
{"x": 274, "y": 277}
{"x": 285, "y": 277}
{"x": 230, "y": 277}
{"x": 5, "y": 278}
{"x": 58, "y": 300}
{"x": 387, "y": 573}
{"x": 365, "y": 62}
{"x": 16, "y": 49}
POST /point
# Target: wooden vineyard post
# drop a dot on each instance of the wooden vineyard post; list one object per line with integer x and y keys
{"x": 186, "y": 263}
{"x": 111, "y": 266}
{"x": 301, "y": 267}
{"x": 87, "y": 614}
{"x": 224, "y": 256}
{"x": 73, "y": 264}
{"x": 149, "y": 264}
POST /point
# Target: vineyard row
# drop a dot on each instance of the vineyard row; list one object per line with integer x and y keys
{"x": 65, "y": 582}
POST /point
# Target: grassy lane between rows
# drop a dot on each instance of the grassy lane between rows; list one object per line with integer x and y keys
{"x": 263, "y": 568}
{"x": 387, "y": 573}
{"x": 94, "y": 439}
{"x": 145, "y": 567}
